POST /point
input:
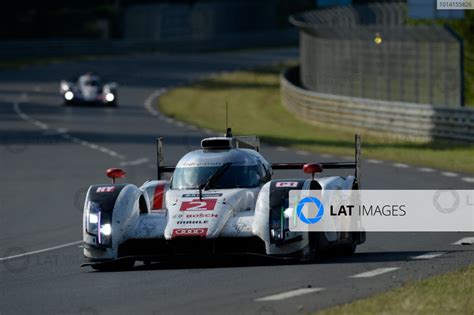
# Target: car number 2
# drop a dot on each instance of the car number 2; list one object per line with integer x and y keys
{"x": 198, "y": 205}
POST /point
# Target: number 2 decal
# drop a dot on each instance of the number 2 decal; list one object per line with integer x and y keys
{"x": 198, "y": 205}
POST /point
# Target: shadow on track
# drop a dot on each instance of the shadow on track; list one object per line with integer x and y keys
{"x": 243, "y": 261}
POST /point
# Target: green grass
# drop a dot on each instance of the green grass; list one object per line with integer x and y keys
{"x": 451, "y": 293}
{"x": 255, "y": 108}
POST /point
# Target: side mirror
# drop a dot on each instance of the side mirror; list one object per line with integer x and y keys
{"x": 115, "y": 173}
{"x": 312, "y": 168}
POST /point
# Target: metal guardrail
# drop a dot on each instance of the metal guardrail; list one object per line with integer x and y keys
{"x": 396, "y": 118}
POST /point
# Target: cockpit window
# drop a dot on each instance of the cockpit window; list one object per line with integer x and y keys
{"x": 236, "y": 176}
{"x": 92, "y": 83}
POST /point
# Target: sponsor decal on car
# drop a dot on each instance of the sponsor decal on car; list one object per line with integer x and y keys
{"x": 158, "y": 197}
{"x": 201, "y": 215}
{"x": 198, "y": 205}
{"x": 203, "y": 195}
{"x": 201, "y": 232}
{"x": 286, "y": 184}
{"x": 105, "y": 189}
{"x": 193, "y": 222}
{"x": 195, "y": 216}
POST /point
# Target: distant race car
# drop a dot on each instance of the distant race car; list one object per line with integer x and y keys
{"x": 88, "y": 89}
{"x": 221, "y": 200}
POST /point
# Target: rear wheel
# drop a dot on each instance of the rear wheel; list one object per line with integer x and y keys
{"x": 118, "y": 265}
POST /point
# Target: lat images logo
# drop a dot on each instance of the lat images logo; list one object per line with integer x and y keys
{"x": 308, "y": 201}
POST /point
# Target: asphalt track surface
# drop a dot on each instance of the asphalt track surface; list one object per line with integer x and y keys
{"x": 50, "y": 154}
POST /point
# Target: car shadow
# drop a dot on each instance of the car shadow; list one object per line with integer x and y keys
{"x": 239, "y": 261}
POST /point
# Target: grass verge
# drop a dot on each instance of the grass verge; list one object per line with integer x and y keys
{"x": 255, "y": 108}
{"x": 446, "y": 294}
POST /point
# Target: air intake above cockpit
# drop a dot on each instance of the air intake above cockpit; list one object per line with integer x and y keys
{"x": 218, "y": 143}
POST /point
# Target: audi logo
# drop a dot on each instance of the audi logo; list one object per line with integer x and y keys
{"x": 190, "y": 231}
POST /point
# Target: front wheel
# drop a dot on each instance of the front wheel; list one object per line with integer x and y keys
{"x": 118, "y": 265}
{"x": 346, "y": 249}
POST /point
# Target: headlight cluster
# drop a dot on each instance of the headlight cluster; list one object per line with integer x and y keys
{"x": 68, "y": 95}
{"x": 64, "y": 87}
{"x": 98, "y": 223}
{"x": 109, "y": 97}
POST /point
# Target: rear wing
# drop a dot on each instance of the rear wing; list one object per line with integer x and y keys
{"x": 254, "y": 143}
{"x": 330, "y": 165}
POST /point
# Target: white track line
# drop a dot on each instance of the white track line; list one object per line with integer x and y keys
{"x": 373, "y": 161}
{"x": 63, "y": 132}
{"x": 465, "y": 241}
{"x": 282, "y": 149}
{"x": 288, "y": 294}
{"x": 426, "y": 170}
{"x": 401, "y": 165}
{"x": 375, "y": 272}
{"x": 449, "y": 174}
{"x": 302, "y": 152}
{"x": 324, "y": 155}
{"x": 149, "y": 102}
{"x": 41, "y": 251}
{"x": 135, "y": 162}
{"x": 429, "y": 255}
{"x": 468, "y": 179}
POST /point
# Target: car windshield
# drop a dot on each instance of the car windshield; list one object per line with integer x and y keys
{"x": 92, "y": 82}
{"x": 236, "y": 176}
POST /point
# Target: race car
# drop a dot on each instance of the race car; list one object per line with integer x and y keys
{"x": 88, "y": 89}
{"x": 221, "y": 199}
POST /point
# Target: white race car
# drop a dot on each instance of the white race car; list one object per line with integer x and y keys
{"x": 221, "y": 199}
{"x": 88, "y": 89}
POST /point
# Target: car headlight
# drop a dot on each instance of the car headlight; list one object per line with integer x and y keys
{"x": 109, "y": 97}
{"x": 64, "y": 87}
{"x": 106, "y": 229}
{"x": 98, "y": 224}
{"x": 68, "y": 95}
{"x": 93, "y": 218}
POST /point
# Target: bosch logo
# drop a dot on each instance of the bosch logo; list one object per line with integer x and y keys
{"x": 310, "y": 200}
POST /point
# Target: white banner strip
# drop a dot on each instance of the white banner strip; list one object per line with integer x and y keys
{"x": 381, "y": 210}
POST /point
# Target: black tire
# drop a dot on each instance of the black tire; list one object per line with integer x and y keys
{"x": 118, "y": 265}
{"x": 346, "y": 249}
{"x": 321, "y": 247}
{"x": 318, "y": 244}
